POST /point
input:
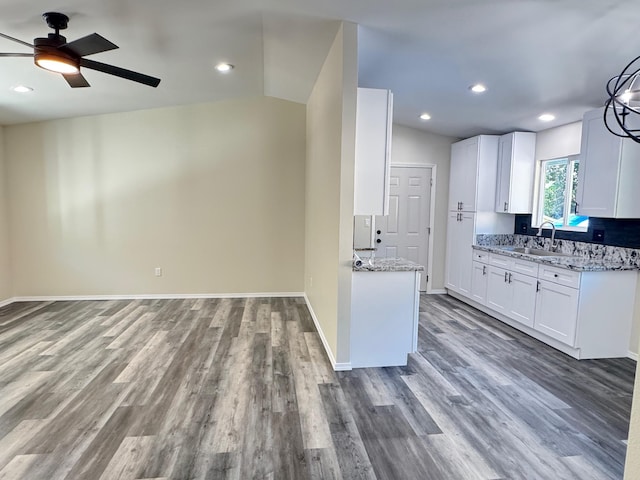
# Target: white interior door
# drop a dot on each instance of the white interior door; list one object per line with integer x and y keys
{"x": 405, "y": 231}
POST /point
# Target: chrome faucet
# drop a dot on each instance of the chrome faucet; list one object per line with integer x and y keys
{"x": 553, "y": 234}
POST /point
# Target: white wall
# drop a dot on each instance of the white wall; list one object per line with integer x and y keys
{"x": 212, "y": 193}
{"x": 413, "y": 146}
{"x": 5, "y": 266}
{"x": 329, "y": 192}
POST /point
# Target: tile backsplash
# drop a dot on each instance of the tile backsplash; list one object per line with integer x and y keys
{"x": 603, "y": 231}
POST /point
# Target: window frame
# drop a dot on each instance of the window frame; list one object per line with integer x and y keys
{"x": 536, "y": 218}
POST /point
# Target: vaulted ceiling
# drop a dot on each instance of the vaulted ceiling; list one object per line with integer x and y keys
{"x": 534, "y": 56}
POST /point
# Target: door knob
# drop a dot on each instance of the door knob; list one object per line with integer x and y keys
{"x": 378, "y": 241}
{"x": 378, "y": 232}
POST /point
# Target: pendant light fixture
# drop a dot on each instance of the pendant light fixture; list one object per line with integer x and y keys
{"x": 623, "y": 104}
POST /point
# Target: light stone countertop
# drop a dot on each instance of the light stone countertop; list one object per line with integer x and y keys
{"x": 388, "y": 265}
{"x": 577, "y": 263}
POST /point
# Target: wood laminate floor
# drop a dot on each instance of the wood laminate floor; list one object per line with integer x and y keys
{"x": 241, "y": 389}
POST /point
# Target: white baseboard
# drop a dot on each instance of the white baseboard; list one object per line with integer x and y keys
{"x": 632, "y": 356}
{"x": 437, "y": 291}
{"x": 6, "y": 302}
{"x": 154, "y": 296}
{"x": 336, "y": 366}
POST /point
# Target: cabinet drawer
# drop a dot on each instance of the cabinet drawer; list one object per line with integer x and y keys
{"x": 501, "y": 261}
{"x": 560, "y": 276}
{"x": 480, "y": 256}
{"x": 525, "y": 267}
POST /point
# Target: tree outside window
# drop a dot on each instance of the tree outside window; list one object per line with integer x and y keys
{"x": 558, "y": 184}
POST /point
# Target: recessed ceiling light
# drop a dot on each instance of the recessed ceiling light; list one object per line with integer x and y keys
{"x": 425, "y": 116}
{"x": 224, "y": 67}
{"x": 478, "y": 88}
{"x": 22, "y": 89}
{"x": 546, "y": 117}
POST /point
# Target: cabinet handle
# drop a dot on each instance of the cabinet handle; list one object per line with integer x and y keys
{"x": 577, "y": 207}
{"x": 505, "y": 277}
{"x": 538, "y": 286}
{"x": 484, "y": 270}
{"x": 509, "y": 278}
{"x": 506, "y": 206}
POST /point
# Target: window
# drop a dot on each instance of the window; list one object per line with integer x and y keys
{"x": 557, "y": 186}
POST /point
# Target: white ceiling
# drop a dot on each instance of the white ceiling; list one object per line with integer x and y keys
{"x": 535, "y": 56}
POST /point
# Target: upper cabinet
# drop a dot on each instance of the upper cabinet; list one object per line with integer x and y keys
{"x": 608, "y": 173}
{"x": 472, "y": 182}
{"x": 374, "y": 116}
{"x": 516, "y": 167}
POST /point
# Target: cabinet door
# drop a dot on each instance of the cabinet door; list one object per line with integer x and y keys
{"x": 465, "y": 237}
{"x": 523, "y": 298}
{"x": 373, "y": 146}
{"x": 556, "y": 311}
{"x": 463, "y": 175}
{"x": 452, "y": 276}
{"x": 498, "y": 291}
{"x": 599, "y": 167}
{"x": 479, "y": 278}
{"x": 504, "y": 173}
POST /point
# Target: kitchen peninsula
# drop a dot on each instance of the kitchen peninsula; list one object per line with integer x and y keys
{"x": 385, "y": 302}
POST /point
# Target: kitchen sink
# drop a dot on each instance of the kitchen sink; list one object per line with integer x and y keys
{"x": 539, "y": 252}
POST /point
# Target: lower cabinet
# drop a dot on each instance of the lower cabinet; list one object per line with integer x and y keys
{"x": 585, "y": 314}
{"x": 557, "y": 311}
{"x": 512, "y": 294}
{"x": 479, "y": 277}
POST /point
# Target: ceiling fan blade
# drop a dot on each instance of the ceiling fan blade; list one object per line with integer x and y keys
{"x": 15, "y": 40}
{"x": 120, "y": 72}
{"x": 16, "y": 54}
{"x": 76, "y": 81}
{"x": 89, "y": 45}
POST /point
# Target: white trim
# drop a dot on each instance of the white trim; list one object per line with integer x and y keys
{"x": 412, "y": 165}
{"x": 336, "y": 366}
{"x": 8, "y": 301}
{"x": 632, "y": 356}
{"x": 154, "y": 296}
{"x": 437, "y": 291}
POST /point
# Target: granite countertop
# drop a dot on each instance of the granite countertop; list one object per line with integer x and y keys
{"x": 577, "y": 263}
{"x": 388, "y": 265}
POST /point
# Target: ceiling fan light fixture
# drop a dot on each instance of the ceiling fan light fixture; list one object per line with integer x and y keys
{"x": 57, "y": 63}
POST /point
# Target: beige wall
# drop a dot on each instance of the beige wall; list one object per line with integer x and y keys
{"x": 212, "y": 193}
{"x": 423, "y": 148}
{"x": 329, "y": 192}
{"x": 5, "y": 266}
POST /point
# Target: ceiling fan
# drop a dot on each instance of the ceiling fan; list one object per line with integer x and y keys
{"x": 53, "y": 53}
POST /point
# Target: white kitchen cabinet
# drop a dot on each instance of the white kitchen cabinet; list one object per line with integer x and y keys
{"x": 384, "y": 317}
{"x": 516, "y": 167}
{"x": 523, "y": 298}
{"x": 498, "y": 292}
{"x": 472, "y": 177}
{"x": 479, "y": 282}
{"x": 460, "y": 236}
{"x": 557, "y": 311}
{"x": 585, "y": 314}
{"x": 374, "y": 117}
{"x": 609, "y": 171}
{"x": 512, "y": 294}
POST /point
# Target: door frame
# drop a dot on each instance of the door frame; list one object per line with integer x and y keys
{"x": 432, "y": 214}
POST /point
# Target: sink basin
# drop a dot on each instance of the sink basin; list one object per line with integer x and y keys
{"x": 539, "y": 252}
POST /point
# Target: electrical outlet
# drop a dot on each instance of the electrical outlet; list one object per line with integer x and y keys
{"x": 158, "y": 271}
